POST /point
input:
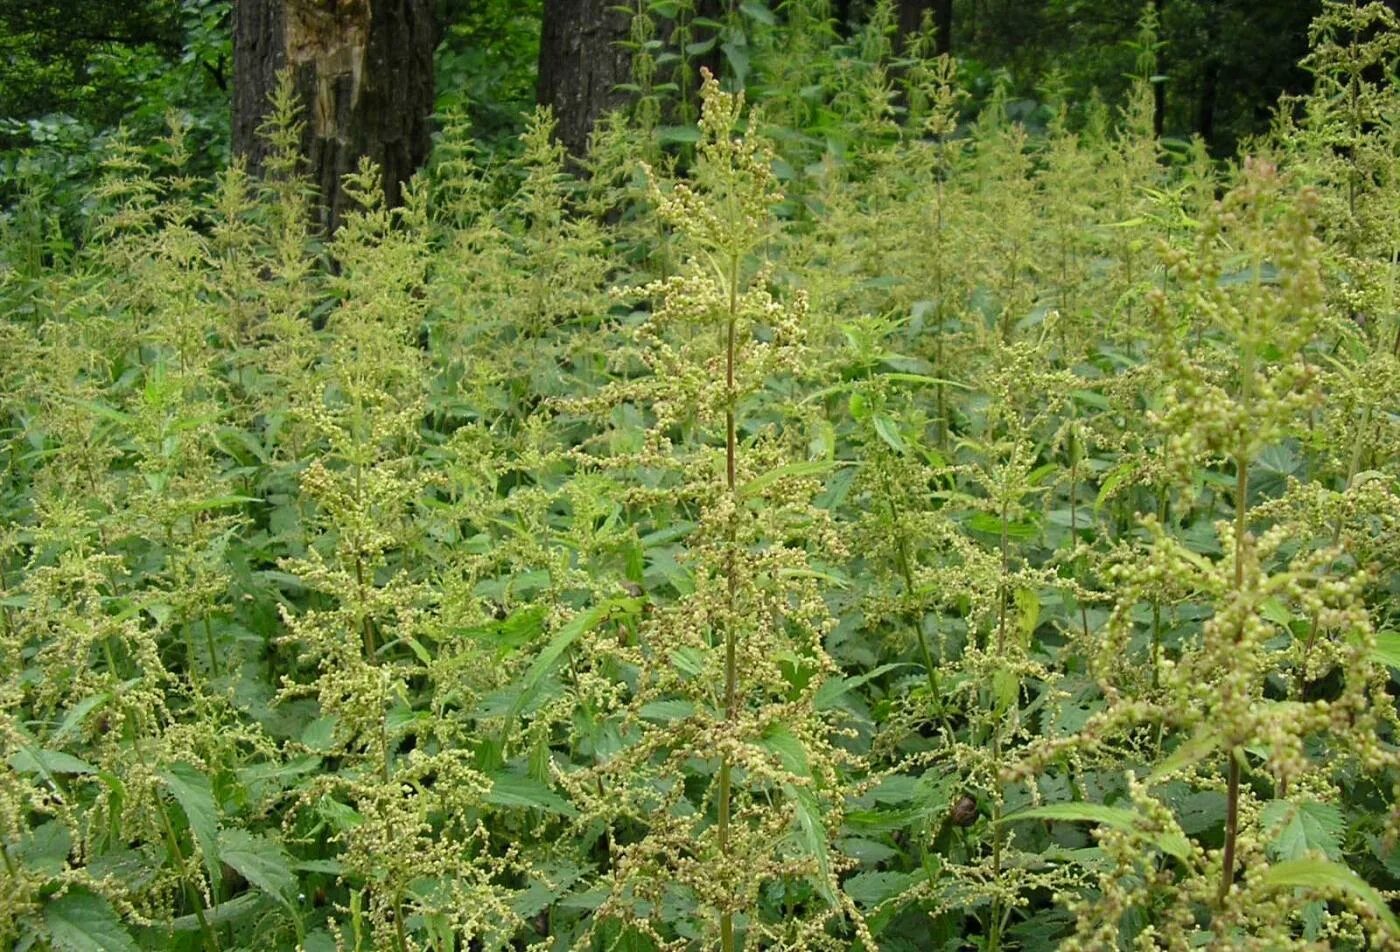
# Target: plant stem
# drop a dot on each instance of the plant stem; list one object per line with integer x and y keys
{"x": 209, "y": 642}
{"x": 1232, "y": 821}
{"x": 906, "y": 570}
{"x": 1232, "y": 794}
{"x": 731, "y": 668}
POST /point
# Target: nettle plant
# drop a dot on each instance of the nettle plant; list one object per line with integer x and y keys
{"x": 1279, "y": 679}
{"x": 725, "y": 786}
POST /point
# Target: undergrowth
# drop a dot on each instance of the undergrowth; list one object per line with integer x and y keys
{"x": 935, "y": 536}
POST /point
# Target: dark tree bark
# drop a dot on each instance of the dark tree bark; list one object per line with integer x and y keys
{"x": 582, "y": 61}
{"x": 911, "y": 17}
{"x": 363, "y": 72}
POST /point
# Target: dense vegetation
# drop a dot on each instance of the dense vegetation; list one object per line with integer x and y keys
{"x": 853, "y": 521}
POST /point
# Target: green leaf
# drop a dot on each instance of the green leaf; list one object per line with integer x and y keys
{"x": 1326, "y": 876}
{"x": 192, "y": 791}
{"x": 1173, "y": 843}
{"x": 665, "y": 711}
{"x": 563, "y": 638}
{"x": 992, "y": 525}
{"x": 899, "y": 376}
{"x": 811, "y": 834}
{"x": 82, "y": 921}
{"x": 833, "y": 689}
{"x": 517, "y": 790}
{"x": 77, "y": 713}
{"x": 262, "y": 861}
{"x": 778, "y": 740}
{"x": 759, "y": 12}
{"x": 889, "y": 432}
{"x": 870, "y": 889}
{"x": 677, "y": 134}
{"x": 1387, "y": 650}
{"x": 1296, "y": 829}
{"x": 1202, "y": 745}
{"x": 738, "y": 56}
{"x": 788, "y": 470}
{"x": 28, "y": 760}
{"x": 1115, "y": 478}
{"x": 231, "y": 911}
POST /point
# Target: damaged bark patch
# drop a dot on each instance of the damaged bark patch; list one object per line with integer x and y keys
{"x": 331, "y": 37}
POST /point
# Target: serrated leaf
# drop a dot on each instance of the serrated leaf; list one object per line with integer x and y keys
{"x": 192, "y": 791}
{"x": 786, "y": 471}
{"x": 517, "y": 790}
{"x": 563, "y": 638}
{"x": 1296, "y": 829}
{"x": 788, "y": 748}
{"x": 1327, "y": 876}
{"x": 1200, "y": 746}
{"x": 1172, "y": 843}
{"x": 82, "y": 921}
{"x": 833, "y": 689}
{"x": 992, "y": 525}
{"x": 1387, "y": 650}
{"x": 677, "y": 134}
{"x": 665, "y": 711}
{"x": 811, "y": 833}
{"x": 77, "y": 713}
{"x": 231, "y": 911}
{"x": 29, "y": 760}
{"x": 870, "y": 889}
{"x": 888, "y": 431}
{"x": 1111, "y": 481}
{"x": 262, "y": 861}
{"x": 547, "y": 885}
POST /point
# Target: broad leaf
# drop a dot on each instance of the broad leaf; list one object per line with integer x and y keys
{"x": 1326, "y": 876}
{"x": 262, "y": 861}
{"x": 192, "y": 791}
{"x": 82, "y": 921}
{"x": 1172, "y": 842}
{"x": 516, "y": 790}
{"x": 1296, "y": 829}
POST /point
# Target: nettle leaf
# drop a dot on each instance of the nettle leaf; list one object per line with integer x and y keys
{"x": 1171, "y": 842}
{"x": 192, "y": 791}
{"x": 563, "y": 638}
{"x": 796, "y": 470}
{"x": 1018, "y": 530}
{"x": 1387, "y": 650}
{"x": 1200, "y": 746}
{"x": 831, "y": 692}
{"x": 1297, "y": 829}
{"x": 759, "y": 12}
{"x": 1326, "y": 876}
{"x": 888, "y": 431}
{"x": 46, "y": 762}
{"x": 517, "y": 790}
{"x": 872, "y": 888}
{"x": 262, "y": 861}
{"x": 82, "y": 921}
{"x": 811, "y": 834}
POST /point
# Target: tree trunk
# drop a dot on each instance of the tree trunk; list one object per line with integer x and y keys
{"x": 363, "y": 73}
{"x": 582, "y": 62}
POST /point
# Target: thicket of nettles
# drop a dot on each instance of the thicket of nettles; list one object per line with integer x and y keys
{"x": 864, "y": 526}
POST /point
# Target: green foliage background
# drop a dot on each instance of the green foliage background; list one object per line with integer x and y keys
{"x": 859, "y": 518}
